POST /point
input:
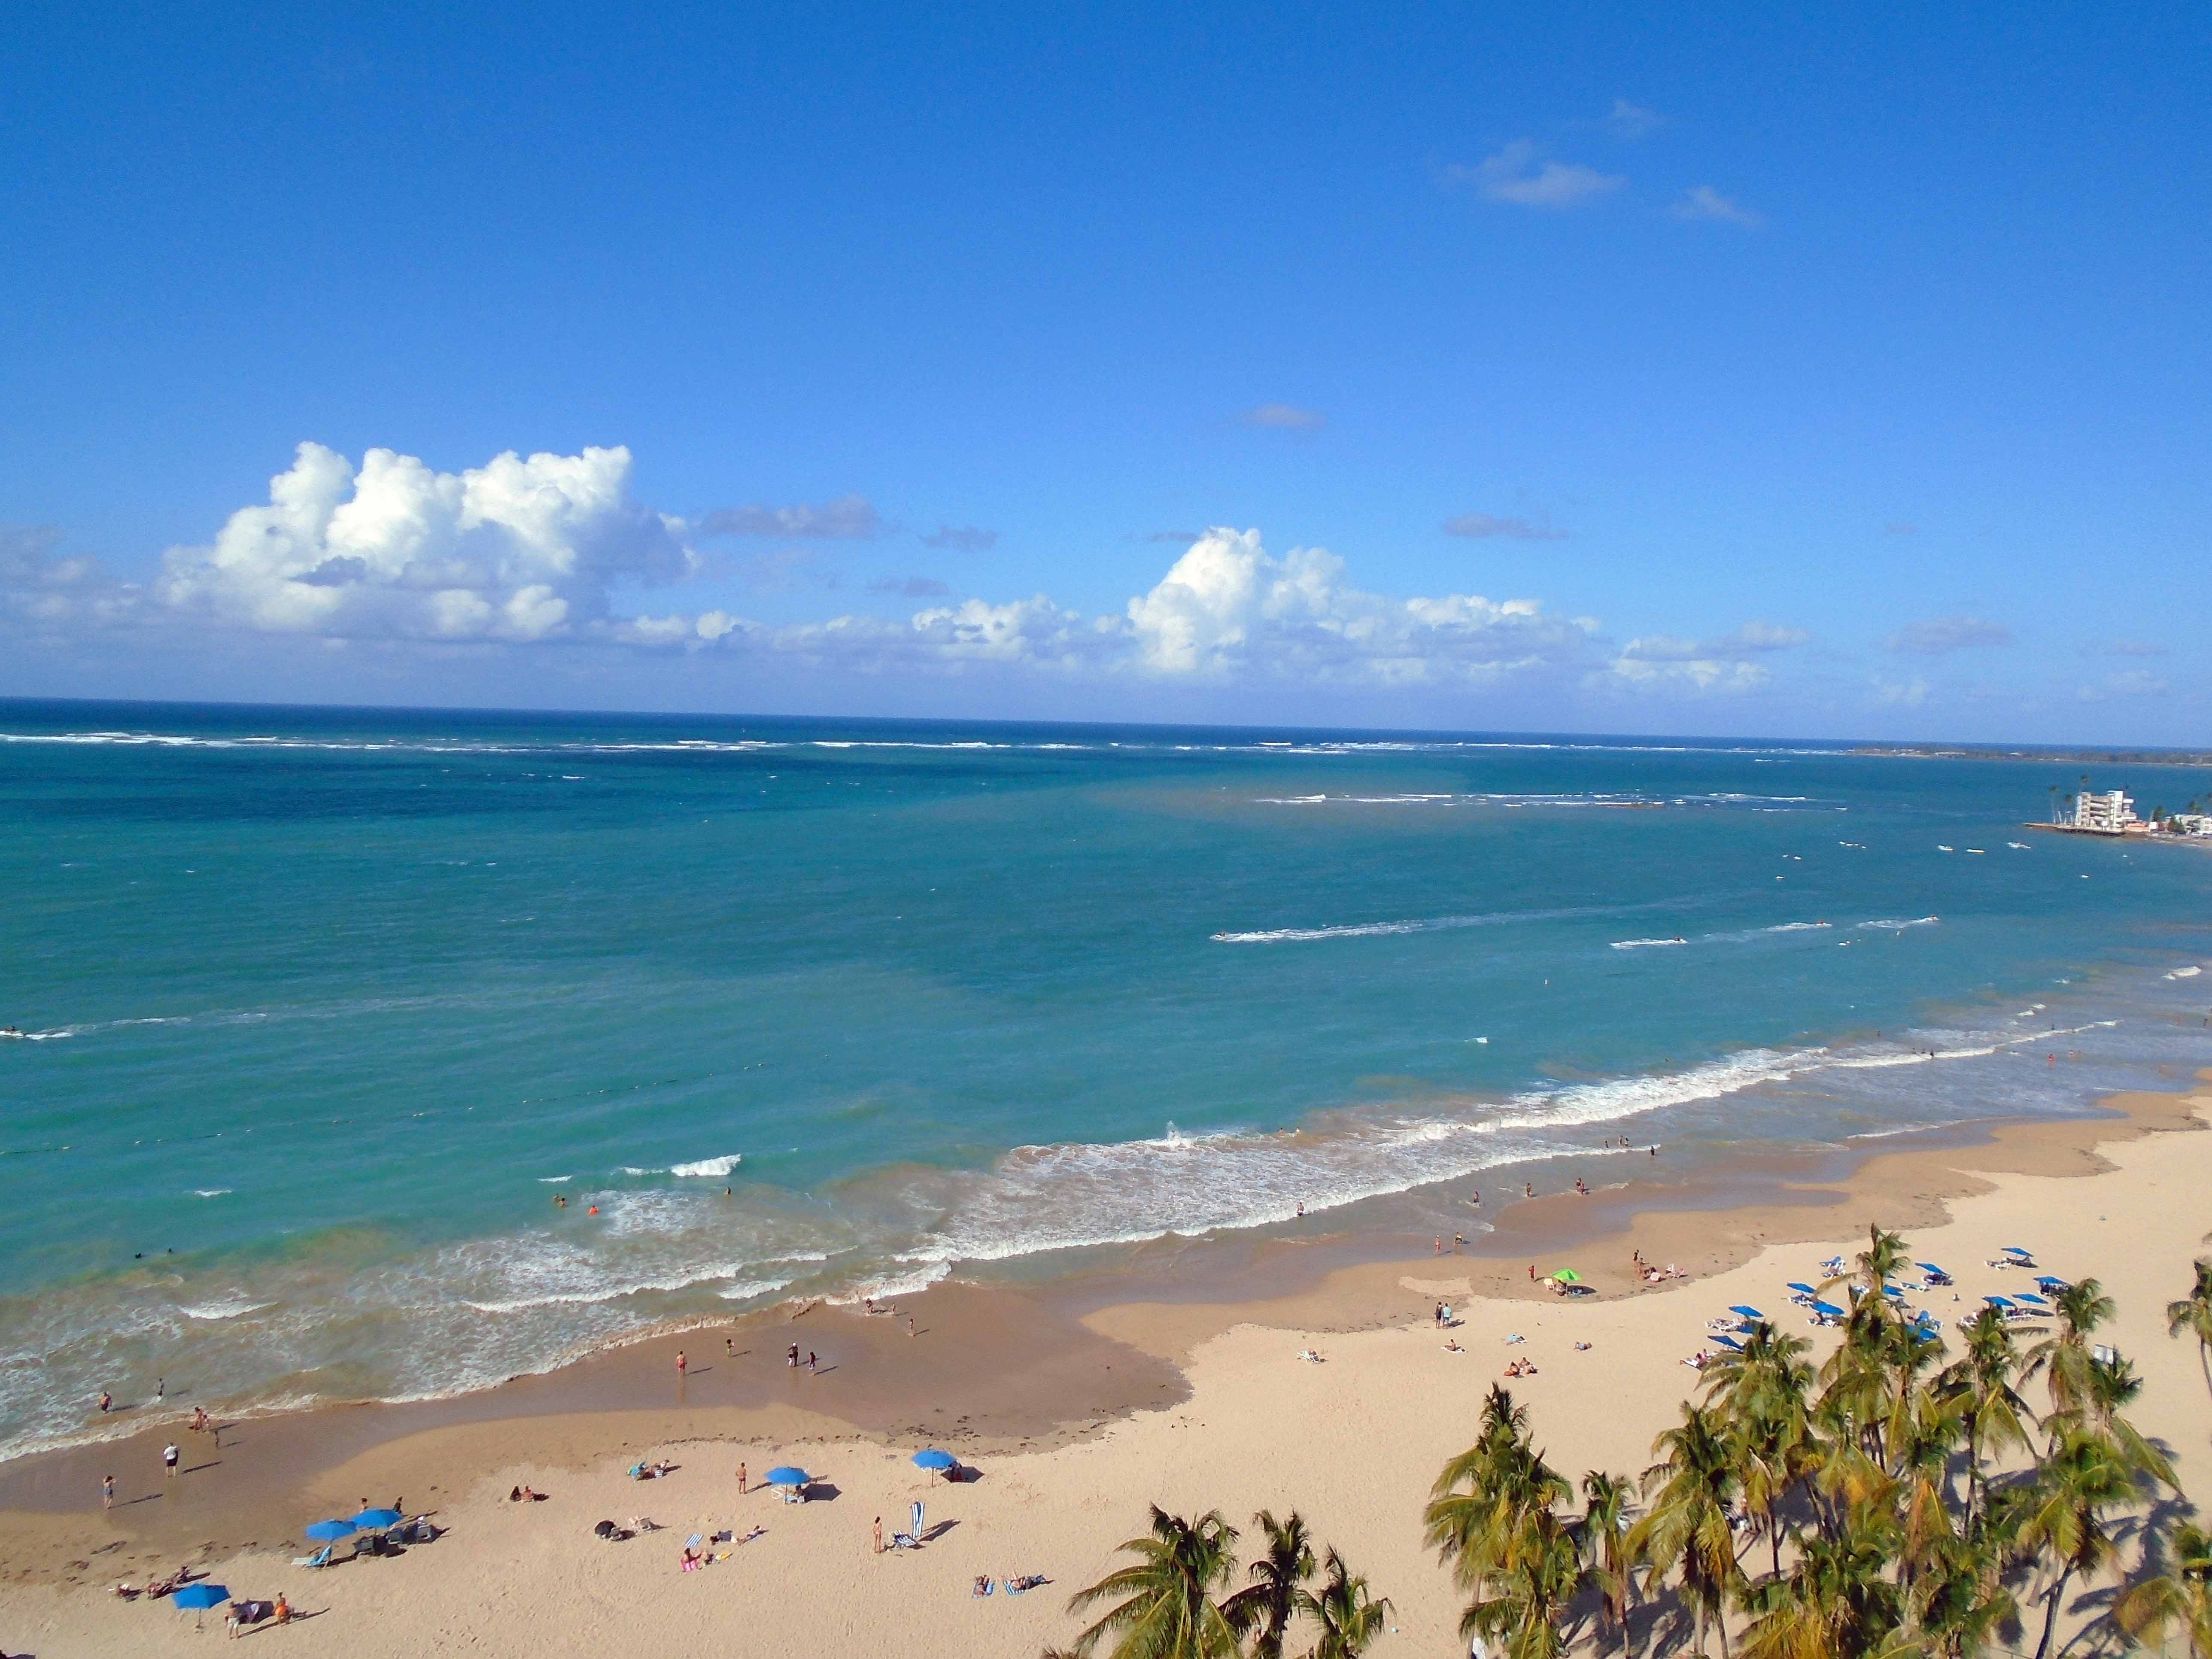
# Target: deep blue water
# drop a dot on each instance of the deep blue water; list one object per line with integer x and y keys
{"x": 332, "y": 1003}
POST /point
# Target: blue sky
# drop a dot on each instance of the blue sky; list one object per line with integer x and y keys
{"x": 1588, "y": 369}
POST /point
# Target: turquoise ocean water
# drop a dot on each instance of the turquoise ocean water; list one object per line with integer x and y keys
{"x": 322, "y": 1008}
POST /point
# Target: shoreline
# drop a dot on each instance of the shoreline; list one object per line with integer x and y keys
{"x": 1000, "y": 1370}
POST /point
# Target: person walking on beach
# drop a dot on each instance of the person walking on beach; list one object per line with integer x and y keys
{"x": 169, "y": 1460}
{"x": 741, "y": 1479}
{"x": 107, "y": 1492}
{"x": 680, "y": 1365}
{"x": 810, "y": 1361}
{"x": 106, "y": 1399}
{"x": 791, "y": 1357}
{"x": 880, "y": 1534}
{"x": 910, "y": 1324}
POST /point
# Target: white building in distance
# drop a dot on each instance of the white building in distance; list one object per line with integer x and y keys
{"x": 2111, "y": 813}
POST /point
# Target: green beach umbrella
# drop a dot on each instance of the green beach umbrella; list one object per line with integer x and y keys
{"x": 1568, "y": 1276}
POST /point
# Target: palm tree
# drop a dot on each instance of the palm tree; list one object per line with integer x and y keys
{"x": 2082, "y": 1306}
{"x": 1480, "y": 1507}
{"x": 2181, "y": 1595}
{"x": 2193, "y": 1313}
{"x": 1349, "y": 1616}
{"x": 1526, "y": 1597}
{"x": 2111, "y": 1382}
{"x": 1690, "y": 1490}
{"x": 1837, "y": 1600}
{"x": 1265, "y": 1606}
{"x": 1958, "y": 1601}
{"x": 1996, "y": 1417}
{"x": 1763, "y": 1392}
{"x": 2061, "y": 1514}
{"x": 1605, "y": 1536}
{"x": 1165, "y": 1609}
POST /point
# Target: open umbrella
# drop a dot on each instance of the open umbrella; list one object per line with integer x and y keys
{"x": 379, "y": 1518}
{"x": 934, "y": 1459}
{"x": 1829, "y": 1309}
{"x": 2014, "y": 1250}
{"x": 2031, "y": 1298}
{"x": 2048, "y": 1283}
{"x": 202, "y": 1597}
{"x": 325, "y": 1531}
{"x": 1729, "y": 1343}
{"x": 1746, "y": 1310}
{"x": 1568, "y": 1276}
{"x": 1802, "y": 1290}
{"x": 1998, "y": 1301}
{"x": 1893, "y": 1293}
{"x": 784, "y": 1475}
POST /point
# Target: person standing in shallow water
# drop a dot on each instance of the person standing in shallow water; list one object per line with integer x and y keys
{"x": 680, "y": 1364}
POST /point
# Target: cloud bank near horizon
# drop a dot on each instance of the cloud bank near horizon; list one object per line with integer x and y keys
{"x": 545, "y": 551}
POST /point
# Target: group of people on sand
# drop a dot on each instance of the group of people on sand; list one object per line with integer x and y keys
{"x": 1521, "y": 1368}
{"x": 1651, "y": 1273}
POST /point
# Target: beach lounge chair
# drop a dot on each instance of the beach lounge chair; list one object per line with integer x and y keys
{"x": 321, "y": 1557}
{"x": 1936, "y": 1275}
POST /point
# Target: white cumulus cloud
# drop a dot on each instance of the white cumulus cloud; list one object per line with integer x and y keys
{"x": 1227, "y": 607}
{"x": 515, "y": 550}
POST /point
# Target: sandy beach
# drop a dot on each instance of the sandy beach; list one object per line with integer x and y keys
{"x": 1070, "y": 1427}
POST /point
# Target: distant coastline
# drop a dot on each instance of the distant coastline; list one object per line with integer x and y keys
{"x": 1986, "y": 752}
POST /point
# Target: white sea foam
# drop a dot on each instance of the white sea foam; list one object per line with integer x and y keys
{"x": 230, "y": 1308}
{"x": 1889, "y": 926}
{"x": 554, "y": 1181}
{"x": 212, "y": 1192}
{"x": 746, "y": 1289}
{"x": 610, "y": 1293}
{"x": 717, "y": 1168}
{"x": 2186, "y": 973}
{"x": 1644, "y": 944}
{"x": 927, "y": 1270}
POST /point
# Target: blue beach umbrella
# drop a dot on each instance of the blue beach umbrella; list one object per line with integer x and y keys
{"x": 203, "y": 1596}
{"x": 785, "y": 1475}
{"x": 325, "y": 1531}
{"x": 1746, "y": 1310}
{"x": 2014, "y": 1250}
{"x": 378, "y": 1518}
{"x": 1892, "y": 1292}
{"x": 1829, "y": 1309}
{"x": 1729, "y": 1343}
{"x": 2031, "y": 1298}
{"x": 1802, "y": 1290}
{"x": 1930, "y": 1267}
{"x": 1998, "y": 1301}
{"x": 2048, "y": 1283}
{"x": 934, "y": 1459}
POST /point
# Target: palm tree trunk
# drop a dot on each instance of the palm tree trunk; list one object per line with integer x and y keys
{"x": 2051, "y": 1614}
{"x": 1774, "y": 1541}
